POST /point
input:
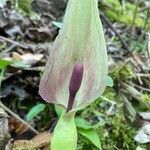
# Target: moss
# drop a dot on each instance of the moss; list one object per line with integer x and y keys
{"x": 114, "y": 131}
{"x": 121, "y": 72}
{"x": 111, "y": 94}
{"x": 147, "y": 98}
{"x": 114, "y": 11}
{"x": 25, "y": 7}
{"x": 117, "y": 134}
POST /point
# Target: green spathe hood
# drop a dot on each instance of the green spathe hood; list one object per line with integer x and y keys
{"x": 81, "y": 40}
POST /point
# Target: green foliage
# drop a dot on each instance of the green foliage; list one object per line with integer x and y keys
{"x": 117, "y": 134}
{"x": 83, "y": 127}
{"x": 35, "y": 111}
{"x": 147, "y": 98}
{"x": 110, "y": 93}
{"x": 65, "y": 133}
{"x": 92, "y": 136}
{"x": 115, "y": 12}
{"x": 82, "y": 123}
{"x": 110, "y": 82}
{"x": 59, "y": 110}
{"x": 121, "y": 72}
{"x": 25, "y": 7}
{"x": 114, "y": 131}
{"x": 86, "y": 130}
{"x": 4, "y": 63}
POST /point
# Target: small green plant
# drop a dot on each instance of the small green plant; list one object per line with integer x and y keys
{"x": 35, "y": 111}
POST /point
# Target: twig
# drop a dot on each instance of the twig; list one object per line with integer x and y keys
{"x": 107, "y": 100}
{"x": 134, "y": 93}
{"x": 145, "y": 8}
{"x": 143, "y": 75}
{"x": 17, "y": 117}
{"x": 14, "y": 42}
{"x": 128, "y": 106}
{"x": 109, "y": 111}
{"x": 114, "y": 30}
{"x": 141, "y": 88}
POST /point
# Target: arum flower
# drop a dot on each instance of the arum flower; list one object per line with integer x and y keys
{"x": 76, "y": 70}
{"x": 80, "y": 42}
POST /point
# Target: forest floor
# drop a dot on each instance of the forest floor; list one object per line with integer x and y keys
{"x": 120, "y": 117}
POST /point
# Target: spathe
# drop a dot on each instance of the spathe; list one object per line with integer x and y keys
{"x": 80, "y": 41}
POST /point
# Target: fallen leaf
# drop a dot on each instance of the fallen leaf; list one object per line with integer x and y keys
{"x": 28, "y": 59}
{"x": 17, "y": 126}
{"x": 41, "y": 140}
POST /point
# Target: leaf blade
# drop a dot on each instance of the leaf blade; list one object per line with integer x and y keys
{"x": 91, "y": 135}
{"x": 35, "y": 111}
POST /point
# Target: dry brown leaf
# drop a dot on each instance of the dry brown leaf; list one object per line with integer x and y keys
{"x": 28, "y": 58}
{"x": 41, "y": 140}
{"x": 17, "y": 126}
{"x": 46, "y": 148}
{"x": 16, "y": 56}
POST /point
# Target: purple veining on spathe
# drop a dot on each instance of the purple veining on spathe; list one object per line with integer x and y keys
{"x": 75, "y": 83}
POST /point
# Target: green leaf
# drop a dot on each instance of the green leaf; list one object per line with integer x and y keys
{"x": 35, "y": 111}
{"x": 1, "y": 76}
{"x": 81, "y": 123}
{"x": 4, "y": 63}
{"x": 59, "y": 110}
{"x": 110, "y": 82}
{"x": 91, "y": 135}
{"x": 85, "y": 129}
{"x": 65, "y": 133}
{"x": 20, "y": 64}
{"x": 57, "y": 24}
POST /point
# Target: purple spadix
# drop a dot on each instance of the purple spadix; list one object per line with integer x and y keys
{"x": 75, "y": 83}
